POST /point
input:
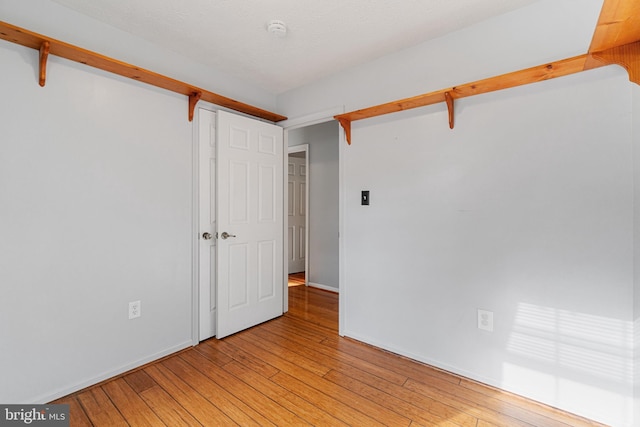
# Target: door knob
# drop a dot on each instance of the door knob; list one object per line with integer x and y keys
{"x": 207, "y": 236}
{"x": 226, "y": 235}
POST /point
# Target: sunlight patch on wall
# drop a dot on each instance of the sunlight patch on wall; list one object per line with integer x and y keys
{"x": 592, "y": 345}
{"x": 577, "y": 361}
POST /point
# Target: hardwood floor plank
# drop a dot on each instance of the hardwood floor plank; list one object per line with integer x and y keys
{"x": 77, "y": 416}
{"x": 305, "y": 384}
{"x": 280, "y": 363}
{"x": 304, "y": 409}
{"x": 217, "y": 393}
{"x": 210, "y": 351}
{"x": 240, "y": 355}
{"x": 324, "y": 306}
{"x": 510, "y": 398}
{"x": 392, "y": 402}
{"x": 99, "y": 409}
{"x": 431, "y": 406}
{"x": 488, "y": 402}
{"x": 331, "y": 357}
{"x": 289, "y": 329}
{"x": 261, "y": 408}
{"x": 130, "y": 404}
{"x": 268, "y": 350}
{"x": 199, "y": 407}
{"x": 390, "y": 361}
{"x": 139, "y": 381}
{"x": 288, "y": 350}
{"x": 167, "y": 408}
{"x": 472, "y": 408}
{"x": 290, "y": 318}
{"x": 336, "y": 408}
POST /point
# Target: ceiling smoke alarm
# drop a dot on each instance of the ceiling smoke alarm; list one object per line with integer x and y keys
{"x": 277, "y": 28}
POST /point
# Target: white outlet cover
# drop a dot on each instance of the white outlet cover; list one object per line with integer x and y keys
{"x": 134, "y": 309}
{"x": 485, "y": 320}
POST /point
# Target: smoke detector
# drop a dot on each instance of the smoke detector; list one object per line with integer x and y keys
{"x": 277, "y": 28}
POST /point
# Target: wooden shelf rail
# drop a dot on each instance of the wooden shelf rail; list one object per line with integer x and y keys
{"x": 47, "y": 45}
{"x": 518, "y": 78}
{"x": 616, "y": 40}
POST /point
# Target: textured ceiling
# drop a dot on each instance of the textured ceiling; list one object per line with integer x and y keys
{"x": 324, "y": 36}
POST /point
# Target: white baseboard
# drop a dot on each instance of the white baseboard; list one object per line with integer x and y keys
{"x": 324, "y": 287}
{"x": 95, "y": 380}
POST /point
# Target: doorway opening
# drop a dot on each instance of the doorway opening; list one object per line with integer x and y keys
{"x": 297, "y": 214}
{"x": 313, "y": 188}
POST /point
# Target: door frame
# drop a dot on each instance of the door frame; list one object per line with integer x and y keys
{"x": 302, "y": 148}
{"x": 290, "y": 124}
{"x": 195, "y": 224}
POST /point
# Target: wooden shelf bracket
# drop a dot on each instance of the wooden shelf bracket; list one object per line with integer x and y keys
{"x": 627, "y": 56}
{"x": 346, "y": 125}
{"x": 44, "y": 55}
{"x": 193, "y": 100}
{"x": 449, "y": 100}
{"x": 49, "y": 46}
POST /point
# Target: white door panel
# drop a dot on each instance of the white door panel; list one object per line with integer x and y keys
{"x": 250, "y": 200}
{"x": 297, "y": 203}
{"x": 207, "y": 223}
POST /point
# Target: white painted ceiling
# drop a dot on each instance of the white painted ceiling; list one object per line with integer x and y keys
{"x": 324, "y": 36}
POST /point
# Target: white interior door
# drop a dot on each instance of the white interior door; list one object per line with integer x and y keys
{"x": 296, "y": 211}
{"x": 250, "y": 192}
{"x": 207, "y": 222}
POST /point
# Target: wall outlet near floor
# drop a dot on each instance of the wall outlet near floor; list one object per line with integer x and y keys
{"x": 485, "y": 320}
{"x": 134, "y": 309}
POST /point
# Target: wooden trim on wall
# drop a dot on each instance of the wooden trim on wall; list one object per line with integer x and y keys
{"x": 627, "y": 56}
{"x": 39, "y": 42}
{"x": 616, "y": 40}
{"x": 539, "y": 73}
{"x": 618, "y": 25}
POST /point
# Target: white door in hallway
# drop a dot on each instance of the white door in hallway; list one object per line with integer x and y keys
{"x": 296, "y": 212}
{"x": 250, "y": 190}
{"x": 207, "y": 223}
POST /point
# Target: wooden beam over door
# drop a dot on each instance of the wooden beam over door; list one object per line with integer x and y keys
{"x": 74, "y": 53}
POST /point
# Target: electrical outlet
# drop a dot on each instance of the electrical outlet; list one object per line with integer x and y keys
{"x": 485, "y": 320}
{"x": 134, "y": 309}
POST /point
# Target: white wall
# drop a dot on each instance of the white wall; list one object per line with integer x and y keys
{"x": 526, "y": 209}
{"x": 95, "y": 206}
{"x": 53, "y": 20}
{"x": 95, "y": 211}
{"x": 547, "y": 30}
{"x": 323, "y": 202}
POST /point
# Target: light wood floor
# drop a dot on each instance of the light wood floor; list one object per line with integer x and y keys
{"x": 295, "y": 370}
{"x": 297, "y": 279}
